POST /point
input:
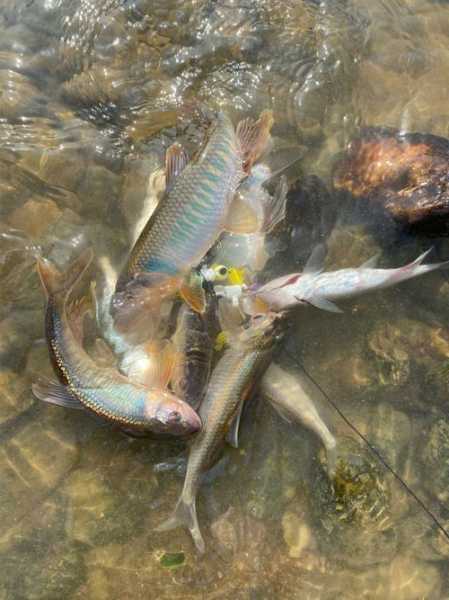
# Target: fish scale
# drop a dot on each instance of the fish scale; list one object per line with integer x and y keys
{"x": 104, "y": 391}
{"x": 192, "y": 214}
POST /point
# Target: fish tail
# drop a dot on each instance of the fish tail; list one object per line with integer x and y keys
{"x": 54, "y": 282}
{"x": 416, "y": 267}
{"x": 185, "y": 515}
{"x": 192, "y": 292}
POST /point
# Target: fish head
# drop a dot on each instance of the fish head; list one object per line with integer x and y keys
{"x": 167, "y": 414}
{"x": 263, "y": 330}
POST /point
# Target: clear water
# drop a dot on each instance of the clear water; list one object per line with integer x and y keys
{"x": 88, "y": 92}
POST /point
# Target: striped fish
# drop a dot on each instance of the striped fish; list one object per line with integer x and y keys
{"x": 232, "y": 380}
{"x": 102, "y": 391}
{"x": 190, "y": 216}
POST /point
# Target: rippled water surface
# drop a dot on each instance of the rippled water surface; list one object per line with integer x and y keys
{"x": 91, "y": 94}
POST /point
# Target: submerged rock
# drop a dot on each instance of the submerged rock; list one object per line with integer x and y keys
{"x": 356, "y": 515}
{"x": 405, "y": 174}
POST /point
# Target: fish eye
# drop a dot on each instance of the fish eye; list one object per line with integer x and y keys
{"x": 223, "y": 271}
{"x": 175, "y": 416}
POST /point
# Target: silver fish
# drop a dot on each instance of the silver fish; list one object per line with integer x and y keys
{"x": 232, "y": 380}
{"x": 290, "y": 396}
{"x": 322, "y": 289}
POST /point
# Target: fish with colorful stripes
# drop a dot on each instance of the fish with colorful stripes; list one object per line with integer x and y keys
{"x": 103, "y": 391}
{"x": 189, "y": 218}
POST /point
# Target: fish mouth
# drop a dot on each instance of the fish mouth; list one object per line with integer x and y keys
{"x": 177, "y": 419}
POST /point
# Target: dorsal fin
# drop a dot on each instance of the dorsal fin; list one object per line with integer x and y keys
{"x": 254, "y": 137}
{"x": 371, "y": 262}
{"x": 176, "y": 160}
{"x": 315, "y": 262}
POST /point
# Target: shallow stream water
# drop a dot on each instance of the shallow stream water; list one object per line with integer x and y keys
{"x": 90, "y": 92}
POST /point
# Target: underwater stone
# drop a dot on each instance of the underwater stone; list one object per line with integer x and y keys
{"x": 37, "y": 456}
{"x": 436, "y": 457}
{"x": 15, "y": 395}
{"x": 64, "y": 167}
{"x": 99, "y": 192}
{"x": 355, "y": 513}
{"x": 406, "y": 174}
{"x": 297, "y": 534}
{"x": 35, "y": 216}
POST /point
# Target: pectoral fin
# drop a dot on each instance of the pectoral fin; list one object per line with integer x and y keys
{"x": 232, "y": 436}
{"x": 193, "y": 294}
{"x": 275, "y": 207}
{"x": 323, "y": 303}
{"x": 53, "y": 392}
{"x": 135, "y": 309}
{"x": 242, "y": 218}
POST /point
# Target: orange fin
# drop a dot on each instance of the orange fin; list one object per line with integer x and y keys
{"x": 275, "y": 206}
{"x": 175, "y": 161}
{"x": 242, "y": 218}
{"x": 254, "y": 137}
{"x": 150, "y": 364}
{"x": 161, "y": 362}
{"x": 193, "y": 294}
{"x": 136, "y": 308}
{"x": 103, "y": 355}
{"x": 78, "y": 311}
{"x": 54, "y": 282}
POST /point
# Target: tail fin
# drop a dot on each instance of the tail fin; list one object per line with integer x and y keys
{"x": 55, "y": 282}
{"x": 416, "y": 268}
{"x": 185, "y": 515}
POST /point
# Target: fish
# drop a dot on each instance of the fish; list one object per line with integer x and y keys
{"x": 313, "y": 287}
{"x": 232, "y": 380}
{"x": 194, "y": 347}
{"x": 103, "y": 391}
{"x": 249, "y": 249}
{"x": 290, "y": 395}
{"x": 189, "y": 218}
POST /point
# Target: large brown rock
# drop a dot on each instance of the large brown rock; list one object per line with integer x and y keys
{"x": 406, "y": 174}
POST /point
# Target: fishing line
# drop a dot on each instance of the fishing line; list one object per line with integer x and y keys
{"x": 372, "y": 448}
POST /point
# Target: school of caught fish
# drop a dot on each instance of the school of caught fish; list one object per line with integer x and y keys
{"x": 191, "y": 331}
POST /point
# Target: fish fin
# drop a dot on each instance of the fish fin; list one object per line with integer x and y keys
{"x": 78, "y": 310}
{"x": 254, "y": 137}
{"x": 281, "y": 159}
{"x": 193, "y": 294}
{"x": 185, "y": 515}
{"x": 275, "y": 206}
{"x": 242, "y": 218}
{"x": 282, "y": 413}
{"x": 104, "y": 357}
{"x": 176, "y": 160}
{"x": 253, "y": 305}
{"x": 135, "y": 309}
{"x": 420, "y": 258}
{"x": 230, "y": 318}
{"x": 315, "y": 262}
{"x": 53, "y": 281}
{"x": 371, "y": 262}
{"x": 232, "y": 436}
{"x": 53, "y": 392}
{"x": 162, "y": 366}
{"x": 323, "y": 303}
